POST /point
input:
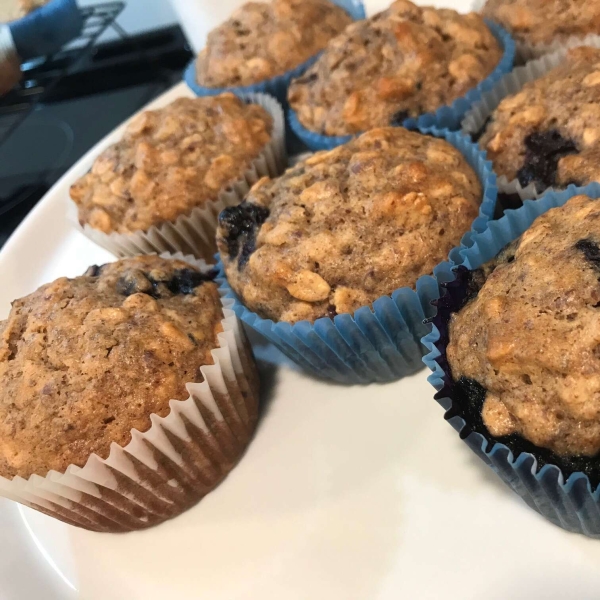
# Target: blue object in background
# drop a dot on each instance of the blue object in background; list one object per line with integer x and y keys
{"x": 46, "y": 29}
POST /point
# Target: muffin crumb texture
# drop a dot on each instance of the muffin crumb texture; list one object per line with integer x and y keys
{"x": 530, "y": 339}
{"x": 548, "y": 133}
{"x": 545, "y": 21}
{"x": 170, "y": 161}
{"x": 85, "y": 360}
{"x": 403, "y": 62}
{"x": 264, "y": 39}
{"x": 346, "y": 226}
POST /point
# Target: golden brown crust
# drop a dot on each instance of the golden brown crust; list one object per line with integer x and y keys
{"x": 531, "y": 337}
{"x": 170, "y": 161}
{"x": 545, "y": 21}
{"x": 265, "y": 39}
{"x": 349, "y": 225}
{"x": 407, "y": 59}
{"x": 85, "y": 360}
{"x": 566, "y": 100}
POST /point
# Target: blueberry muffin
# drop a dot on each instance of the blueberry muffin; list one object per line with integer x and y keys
{"x": 523, "y": 351}
{"x": 548, "y": 133}
{"x": 400, "y": 63}
{"x": 545, "y": 21}
{"x": 170, "y": 161}
{"x": 265, "y": 39}
{"x": 84, "y": 361}
{"x": 344, "y": 227}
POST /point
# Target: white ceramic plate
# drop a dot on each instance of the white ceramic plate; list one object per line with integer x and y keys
{"x": 345, "y": 493}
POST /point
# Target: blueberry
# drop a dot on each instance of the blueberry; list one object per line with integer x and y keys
{"x": 134, "y": 282}
{"x": 240, "y": 224}
{"x": 590, "y": 250}
{"x": 474, "y": 281}
{"x": 184, "y": 281}
{"x": 331, "y": 311}
{"x": 94, "y": 271}
{"x": 398, "y": 118}
{"x": 470, "y": 395}
{"x": 543, "y": 151}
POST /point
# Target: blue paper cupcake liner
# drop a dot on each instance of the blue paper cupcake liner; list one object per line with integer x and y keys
{"x": 446, "y": 117}
{"x": 568, "y": 500}
{"x": 379, "y": 344}
{"x": 47, "y": 29}
{"x": 276, "y": 86}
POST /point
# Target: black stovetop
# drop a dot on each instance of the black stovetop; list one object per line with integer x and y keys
{"x": 105, "y": 88}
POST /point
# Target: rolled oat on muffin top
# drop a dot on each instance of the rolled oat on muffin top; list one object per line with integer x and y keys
{"x": 549, "y": 132}
{"x": 403, "y": 62}
{"x": 529, "y": 341}
{"x": 85, "y": 360}
{"x": 170, "y": 161}
{"x": 265, "y": 39}
{"x": 545, "y": 21}
{"x": 344, "y": 227}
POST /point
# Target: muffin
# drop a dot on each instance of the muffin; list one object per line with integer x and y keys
{"x": 518, "y": 346}
{"x": 548, "y": 133}
{"x": 344, "y": 227}
{"x": 107, "y": 361}
{"x": 171, "y": 162}
{"x": 264, "y": 39}
{"x": 400, "y": 63}
{"x": 544, "y": 22}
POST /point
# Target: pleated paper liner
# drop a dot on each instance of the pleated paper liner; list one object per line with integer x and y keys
{"x": 445, "y": 117}
{"x": 194, "y": 233}
{"x": 511, "y": 193}
{"x": 375, "y": 344}
{"x": 566, "y": 498}
{"x": 170, "y": 467}
{"x": 276, "y": 86}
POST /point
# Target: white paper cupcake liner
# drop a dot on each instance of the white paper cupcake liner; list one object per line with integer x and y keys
{"x": 510, "y": 84}
{"x": 168, "y": 468}
{"x": 194, "y": 233}
{"x": 527, "y": 51}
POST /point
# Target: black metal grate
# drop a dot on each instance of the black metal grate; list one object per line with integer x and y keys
{"x": 41, "y": 75}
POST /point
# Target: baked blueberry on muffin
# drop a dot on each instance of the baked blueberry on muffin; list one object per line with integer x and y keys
{"x": 347, "y": 226}
{"x": 545, "y": 21}
{"x": 84, "y": 361}
{"x": 170, "y": 161}
{"x": 402, "y": 62}
{"x": 548, "y": 133}
{"x": 523, "y": 351}
{"x": 265, "y": 39}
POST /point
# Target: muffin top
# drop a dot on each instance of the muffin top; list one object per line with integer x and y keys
{"x": 85, "y": 360}
{"x": 531, "y": 336}
{"x": 170, "y": 161}
{"x": 405, "y": 61}
{"x": 545, "y": 21}
{"x": 549, "y": 132}
{"x": 264, "y": 39}
{"x": 344, "y": 227}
